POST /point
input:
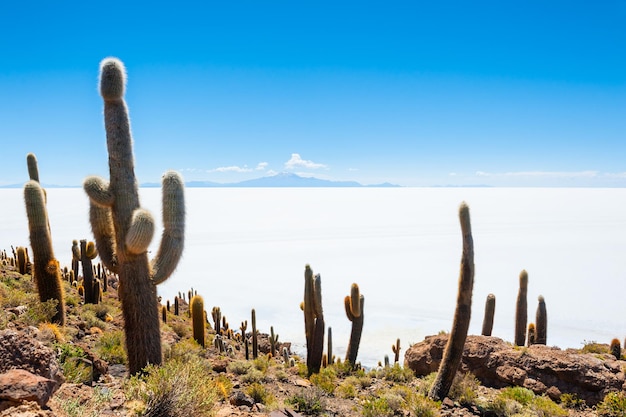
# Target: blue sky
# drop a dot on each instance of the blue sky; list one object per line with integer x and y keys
{"x": 526, "y": 93}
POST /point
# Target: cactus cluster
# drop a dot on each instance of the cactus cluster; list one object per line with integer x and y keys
{"x": 313, "y": 320}
{"x": 123, "y": 230}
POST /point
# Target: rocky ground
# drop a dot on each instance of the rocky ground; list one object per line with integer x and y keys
{"x": 41, "y": 373}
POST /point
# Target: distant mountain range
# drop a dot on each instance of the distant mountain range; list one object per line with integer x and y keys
{"x": 285, "y": 179}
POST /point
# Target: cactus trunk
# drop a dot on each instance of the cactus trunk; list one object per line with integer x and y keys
{"x": 490, "y": 309}
{"x": 521, "y": 312}
{"x": 541, "y": 322}
{"x": 454, "y": 348}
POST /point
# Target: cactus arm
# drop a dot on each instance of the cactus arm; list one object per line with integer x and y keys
{"x": 102, "y": 227}
{"x": 173, "y": 237}
{"x": 98, "y": 191}
{"x": 140, "y": 232}
{"x": 31, "y": 163}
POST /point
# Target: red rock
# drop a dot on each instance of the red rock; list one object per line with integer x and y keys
{"x": 543, "y": 369}
{"x": 17, "y": 386}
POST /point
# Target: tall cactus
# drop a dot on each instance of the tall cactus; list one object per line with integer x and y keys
{"x": 123, "y": 230}
{"x": 521, "y": 311}
{"x": 541, "y": 322}
{"x": 46, "y": 270}
{"x": 313, "y": 320}
{"x": 490, "y": 309}
{"x": 454, "y": 348}
{"x": 197, "y": 318}
{"x": 354, "y": 304}
{"x": 396, "y": 351}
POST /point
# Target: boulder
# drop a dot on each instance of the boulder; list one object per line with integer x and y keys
{"x": 543, "y": 369}
{"x": 18, "y": 386}
{"x": 21, "y": 351}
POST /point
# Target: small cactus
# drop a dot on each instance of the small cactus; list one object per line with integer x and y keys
{"x": 216, "y": 313}
{"x": 197, "y": 318}
{"x": 354, "y": 304}
{"x": 329, "y": 348}
{"x": 541, "y": 322}
{"x": 21, "y": 255}
{"x": 616, "y": 349}
{"x": 521, "y": 312}
{"x": 255, "y": 343}
{"x": 456, "y": 340}
{"x": 164, "y": 314}
{"x": 273, "y": 341}
{"x": 396, "y": 351}
{"x": 490, "y": 309}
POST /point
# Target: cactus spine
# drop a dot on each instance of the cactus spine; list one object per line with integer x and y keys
{"x": 521, "y": 312}
{"x": 490, "y": 309}
{"x": 541, "y": 322}
{"x": 46, "y": 272}
{"x": 454, "y": 348}
{"x": 123, "y": 230}
{"x": 313, "y": 320}
{"x": 354, "y": 304}
{"x": 197, "y": 318}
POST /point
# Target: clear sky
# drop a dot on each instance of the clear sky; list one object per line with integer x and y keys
{"x": 415, "y": 93}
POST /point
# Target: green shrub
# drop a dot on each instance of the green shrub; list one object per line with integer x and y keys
{"x": 74, "y": 370}
{"x": 241, "y": 367}
{"x": 176, "y": 389}
{"x": 308, "y": 401}
{"x": 253, "y": 375}
{"x": 110, "y": 347}
{"x": 377, "y": 407}
{"x": 260, "y": 394}
{"x": 613, "y": 405}
{"x": 395, "y": 373}
{"x": 543, "y": 406}
{"x": 594, "y": 347}
{"x": 522, "y": 395}
{"x": 464, "y": 388}
{"x": 422, "y": 406}
{"x": 325, "y": 379}
{"x": 572, "y": 401}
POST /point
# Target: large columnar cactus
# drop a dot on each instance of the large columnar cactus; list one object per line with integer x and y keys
{"x": 541, "y": 322}
{"x": 454, "y": 348}
{"x": 255, "y": 335}
{"x": 22, "y": 259}
{"x": 46, "y": 271}
{"x": 354, "y": 304}
{"x": 313, "y": 320}
{"x": 197, "y": 318}
{"x": 123, "y": 230}
{"x": 521, "y": 311}
{"x": 490, "y": 309}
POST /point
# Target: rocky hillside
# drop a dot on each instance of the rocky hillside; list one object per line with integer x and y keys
{"x": 80, "y": 370}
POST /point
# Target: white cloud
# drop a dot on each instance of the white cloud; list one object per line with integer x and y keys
{"x": 297, "y": 162}
{"x": 482, "y": 174}
{"x": 232, "y": 168}
{"x": 261, "y": 166}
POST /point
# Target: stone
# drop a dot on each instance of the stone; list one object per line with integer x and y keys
{"x": 20, "y": 351}
{"x": 18, "y": 386}
{"x": 543, "y": 369}
{"x": 240, "y": 398}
